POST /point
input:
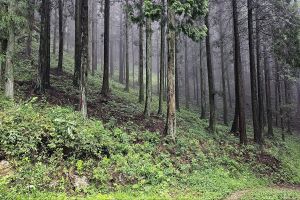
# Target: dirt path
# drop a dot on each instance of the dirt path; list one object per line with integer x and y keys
{"x": 239, "y": 194}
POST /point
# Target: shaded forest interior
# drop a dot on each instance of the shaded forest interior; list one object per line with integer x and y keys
{"x": 139, "y": 95}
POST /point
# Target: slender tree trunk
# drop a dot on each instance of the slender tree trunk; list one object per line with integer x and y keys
{"x": 253, "y": 77}
{"x": 278, "y": 89}
{"x": 259, "y": 73}
{"x": 141, "y": 58}
{"x": 228, "y": 87}
{"x": 9, "y": 68}
{"x": 94, "y": 37}
{"x": 176, "y": 75}
{"x": 3, "y": 63}
{"x": 197, "y": 84}
{"x": 111, "y": 56}
{"x": 211, "y": 87}
{"x": 148, "y": 67}
{"x": 186, "y": 77}
{"x": 239, "y": 78}
{"x": 78, "y": 43}
{"x": 202, "y": 84}
{"x": 84, "y": 58}
{"x": 43, "y": 78}
{"x": 162, "y": 56}
{"x": 276, "y": 83}
{"x": 30, "y": 21}
{"x": 105, "y": 84}
{"x": 224, "y": 93}
{"x": 133, "y": 60}
{"x": 61, "y": 37}
{"x": 288, "y": 104}
{"x": 127, "y": 49}
{"x": 54, "y": 32}
{"x": 170, "y": 128}
{"x": 268, "y": 95}
{"x": 121, "y": 50}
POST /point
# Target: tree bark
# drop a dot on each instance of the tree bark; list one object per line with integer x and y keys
{"x": 9, "y": 67}
{"x": 268, "y": 95}
{"x": 127, "y": 49}
{"x": 141, "y": 58}
{"x": 162, "y": 56}
{"x": 105, "y": 84}
{"x": 170, "y": 128}
{"x": 94, "y": 37}
{"x": 30, "y": 21}
{"x": 133, "y": 60}
{"x": 259, "y": 73}
{"x": 211, "y": 87}
{"x": 84, "y": 58}
{"x": 224, "y": 93}
{"x": 147, "y": 109}
{"x": 176, "y": 75}
{"x": 279, "y": 96}
{"x": 240, "y": 107}
{"x": 61, "y": 37}
{"x": 202, "y": 84}
{"x": 186, "y": 75}
{"x": 253, "y": 77}
{"x": 3, "y": 63}
{"x": 78, "y": 43}
{"x": 288, "y": 102}
{"x": 43, "y": 78}
{"x": 54, "y": 32}
{"x": 121, "y": 52}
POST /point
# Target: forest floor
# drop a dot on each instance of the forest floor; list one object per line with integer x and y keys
{"x": 49, "y": 152}
{"x": 246, "y": 194}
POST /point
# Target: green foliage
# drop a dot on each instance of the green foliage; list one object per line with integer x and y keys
{"x": 46, "y": 145}
{"x": 272, "y": 193}
{"x": 12, "y": 17}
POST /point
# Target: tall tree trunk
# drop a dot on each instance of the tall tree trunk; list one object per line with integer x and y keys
{"x": 162, "y": 56}
{"x": 78, "y": 43}
{"x": 253, "y": 77}
{"x": 105, "y": 84}
{"x": 121, "y": 52}
{"x": 148, "y": 67}
{"x": 43, "y": 78}
{"x": 111, "y": 57}
{"x": 202, "y": 84}
{"x": 94, "y": 37}
{"x": 228, "y": 87}
{"x": 176, "y": 75}
{"x": 268, "y": 95}
{"x": 239, "y": 78}
{"x": 133, "y": 60}
{"x": 127, "y": 49}
{"x": 61, "y": 37}
{"x": 211, "y": 87}
{"x": 197, "y": 84}
{"x": 141, "y": 58}
{"x": 3, "y": 63}
{"x": 224, "y": 93}
{"x": 288, "y": 102}
{"x": 84, "y": 58}
{"x": 30, "y": 21}
{"x": 170, "y": 128}
{"x": 54, "y": 32}
{"x": 278, "y": 89}
{"x": 186, "y": 75}
{"x": 9, "y": 67}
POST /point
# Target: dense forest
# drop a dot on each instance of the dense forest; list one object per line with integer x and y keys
{"x": 141, "y": 99}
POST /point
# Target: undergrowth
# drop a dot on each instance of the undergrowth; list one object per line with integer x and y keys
{"x": 49, "y": 145}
